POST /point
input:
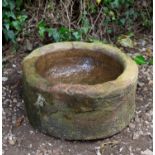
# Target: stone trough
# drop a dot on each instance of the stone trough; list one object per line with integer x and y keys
{"x": 79, "y": 91}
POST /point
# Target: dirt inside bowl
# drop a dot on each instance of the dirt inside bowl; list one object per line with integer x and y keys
{"x": 78, "y": 67}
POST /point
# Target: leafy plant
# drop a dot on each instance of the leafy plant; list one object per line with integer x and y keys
{"x": 60, "y": 34}
{"x": 42, "y": 28}
{"x": 125, "y": 15}
{"x": 13, "y": 19}
{"x": 151, "y": 61}
{"x": 140, "y": 60}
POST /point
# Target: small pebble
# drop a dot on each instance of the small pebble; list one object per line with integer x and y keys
{"x": 137, "y": 134}
{"x": 30, "y": 146}
{"x": 147, "y": 152}
{"x": 12, "y": 140}
{"x": 4, "y": 79}
{"x": 120, "y": 150}
{"x": 131, "y": 125}
{"x": 15, "y": 100}
{"x": 31, "y": 132}
{"x": 14, "y": 66}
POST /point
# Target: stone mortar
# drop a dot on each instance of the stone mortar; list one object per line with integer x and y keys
{"x": 79, "y": 91}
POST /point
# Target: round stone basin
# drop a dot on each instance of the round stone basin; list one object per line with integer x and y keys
{"x": 79, "y": 91}
{"x": 78, "y": 67}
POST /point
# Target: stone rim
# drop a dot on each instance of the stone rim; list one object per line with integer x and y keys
{"x": 128, "y": 76}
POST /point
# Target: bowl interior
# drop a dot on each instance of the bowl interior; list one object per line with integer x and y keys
{"x": 78, "y": 67}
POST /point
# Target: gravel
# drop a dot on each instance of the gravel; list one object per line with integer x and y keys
{"x": 147, "y": 152}
{"x": 19, "y": 138}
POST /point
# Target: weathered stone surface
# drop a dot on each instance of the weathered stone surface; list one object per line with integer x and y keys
{"x": 79, "y": 91}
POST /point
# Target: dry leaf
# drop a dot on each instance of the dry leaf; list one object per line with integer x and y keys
{"x": 19, "y": 121}
{"x": 111, "y": 143}
{"x": 148, "y": 52}
{"x": 98, "y": 1}
{"x": 125, "y": 41}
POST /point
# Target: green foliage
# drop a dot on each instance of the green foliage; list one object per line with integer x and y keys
{"x": 42, "y": 28}
{"x": 98, "y": 19}
{"x": 13, "y": 19}
{"x": 140, "y": 60}
{"x": 151, "y": 61}
{"x": 125, "y": 15}
{"x": 60, "y": 34}
{"x": 120, "y": 12}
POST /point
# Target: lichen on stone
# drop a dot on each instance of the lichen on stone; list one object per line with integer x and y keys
{"x": 40, "y": 101}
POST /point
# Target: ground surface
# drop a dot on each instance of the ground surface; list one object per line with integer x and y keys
{"x": 19, "y": 138}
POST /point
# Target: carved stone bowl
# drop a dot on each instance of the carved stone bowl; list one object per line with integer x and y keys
{"x": 79, "y": 91}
